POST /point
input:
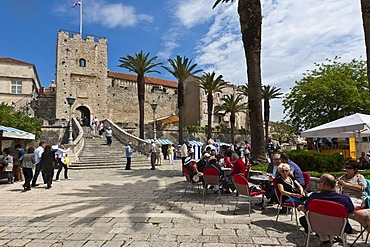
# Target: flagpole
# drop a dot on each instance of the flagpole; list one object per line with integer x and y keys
{"x": 81, "y": 18}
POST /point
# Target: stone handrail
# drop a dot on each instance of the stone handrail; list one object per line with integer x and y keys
{"x": 125, "y": 137}
{"x": 79, "y": 141}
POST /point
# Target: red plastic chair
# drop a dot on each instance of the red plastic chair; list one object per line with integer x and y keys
{"x": 306, "y": 177}
{"x": 281, "y": 203}
{"x": 211, "y": 176}
{"x": 189, "y": 180}
{"x": 242, "y": 186}
{"x": 327, "y": 218}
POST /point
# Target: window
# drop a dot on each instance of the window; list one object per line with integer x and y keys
{"x": 16, "y": 87}
{"x": 82, "y": 62}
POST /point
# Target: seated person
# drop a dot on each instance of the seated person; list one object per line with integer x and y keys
{"x": 227, "y": 159}
{"x": 327, "y": 192}
{"x": 352, "y": 183}
{"x": 237, "y": 164}
{"x": 289, "y": 186}
{"x": 203, "y": 161}
{"x": 273, "y": 166}
{"x": 295, "y": 170}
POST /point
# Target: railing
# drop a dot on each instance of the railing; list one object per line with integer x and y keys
{"x": 79, "y": 141}
{"x": 125, "y": 137}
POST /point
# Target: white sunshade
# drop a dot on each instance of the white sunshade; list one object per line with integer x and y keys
{"x": 344, "y": 127}
{"x": 10, "y": 132}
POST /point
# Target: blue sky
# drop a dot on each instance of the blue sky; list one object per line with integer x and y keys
{"x": 295, "y": 34}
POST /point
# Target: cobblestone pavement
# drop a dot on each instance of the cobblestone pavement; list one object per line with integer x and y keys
{"x": 141, "y": 207}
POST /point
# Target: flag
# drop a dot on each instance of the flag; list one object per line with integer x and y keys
{"x": 78, "y": 2}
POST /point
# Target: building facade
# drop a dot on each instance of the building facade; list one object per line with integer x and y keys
{"x": 19, "y": 84}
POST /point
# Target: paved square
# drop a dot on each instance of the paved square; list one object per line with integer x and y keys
{"x": 140, "y": 207}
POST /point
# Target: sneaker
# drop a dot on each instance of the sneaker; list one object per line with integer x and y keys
{"x": 57, "y": 180}
{"x": 68, "y": 178}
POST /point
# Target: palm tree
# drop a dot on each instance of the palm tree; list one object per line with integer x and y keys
{"x": 250, "y": 17}
{"x": 211, "y": 85}
{"x": 181, "y": 69}
{"x": 365, "y": 9}
{"x": 141, "y": 64}
{"x": 232, "y": 104}
{"x": 269, "y": 93}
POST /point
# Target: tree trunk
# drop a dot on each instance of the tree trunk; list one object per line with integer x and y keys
{"x": 232, "y": 126}
{"x": 210, "y": 108}
{"x": 365, "y": 9}
{"x": 250, "y": 14}
{"x": 266, "y": 113}
{"x": 180, "y": 105}
{"x": 141, "y": 98}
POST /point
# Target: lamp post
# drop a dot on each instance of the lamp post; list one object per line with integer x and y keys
{"x": 71, "y": 100}
{"x": 154, "y": 107}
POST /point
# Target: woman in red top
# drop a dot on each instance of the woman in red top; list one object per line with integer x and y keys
{"x": 238, "y": 164}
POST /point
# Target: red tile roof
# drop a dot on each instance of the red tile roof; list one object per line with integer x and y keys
{"x": 13, "y": 61}
{"x": 148, "y": 79}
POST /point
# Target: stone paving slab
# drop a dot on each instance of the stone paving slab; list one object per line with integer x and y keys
{"x": 140, "y": 207}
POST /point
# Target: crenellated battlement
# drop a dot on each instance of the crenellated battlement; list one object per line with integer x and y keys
{"x": 70, "y": 35}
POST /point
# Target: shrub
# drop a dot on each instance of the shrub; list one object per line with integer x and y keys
{"x": 318, "y": 162}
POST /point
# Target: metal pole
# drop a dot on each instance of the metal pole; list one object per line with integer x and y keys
{"x": 81, "y": 18}
{"x": 70, "y": 139}
{"x": 154, "y": 126}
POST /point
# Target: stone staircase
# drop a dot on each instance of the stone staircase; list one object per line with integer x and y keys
{"x": 96, "y": 155}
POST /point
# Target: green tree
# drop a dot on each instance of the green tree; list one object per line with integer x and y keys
{"x": 211, "y": 85}
{"x": 282, "y": 132}
{"x": 269, "y": 93}
{"x": 19, "y": 120}
{"x": 141, "y": 64}
{"x": 330, "y": 91}
{"x": 365, "y": 10}
{"x": 232, "y": 104}
{"x": 250, "y": 18}
{"x": 181, "y": 68}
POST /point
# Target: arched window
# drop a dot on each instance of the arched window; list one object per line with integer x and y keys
{"x": 82, "y": 62}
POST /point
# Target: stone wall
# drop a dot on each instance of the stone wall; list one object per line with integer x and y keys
{"x": 82, "y": 73}
{"x": 44, "y": 107}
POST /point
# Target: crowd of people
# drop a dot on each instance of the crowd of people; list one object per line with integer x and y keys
{"x": 35, "y": 161}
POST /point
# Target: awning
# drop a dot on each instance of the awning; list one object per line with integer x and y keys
{"x": 9, "y": 132}
{"x": 160, "y": 141}
{"x": 170, "y": 119}
{"x": 195, "y": 143}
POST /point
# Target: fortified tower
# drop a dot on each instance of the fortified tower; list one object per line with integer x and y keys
{"x": 81, "y": 71}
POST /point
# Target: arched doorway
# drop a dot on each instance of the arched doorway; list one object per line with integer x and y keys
{"x": 84, "y": 115}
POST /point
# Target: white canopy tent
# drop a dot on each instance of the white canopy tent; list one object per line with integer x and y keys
{"x": 344, "y": 127}
{"x": 13, "y": 133}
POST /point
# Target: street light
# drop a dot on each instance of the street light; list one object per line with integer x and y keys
{"x": 154, "y": 107}
{"x": 71, "y": 100}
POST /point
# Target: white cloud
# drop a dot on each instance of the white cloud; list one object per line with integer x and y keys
{"x": 193, "y": 12}
{"x": 109, "y": 15}
{"x": 295, "y": 34}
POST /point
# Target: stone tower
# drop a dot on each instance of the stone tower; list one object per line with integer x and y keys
{"x": 81, "y": 71}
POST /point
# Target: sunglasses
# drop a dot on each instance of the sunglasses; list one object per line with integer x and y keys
{"x": 285, "y": 170}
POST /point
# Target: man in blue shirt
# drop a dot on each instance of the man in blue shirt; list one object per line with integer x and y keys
{"x": 294, "y": 169}
{"x": 327, "y": 184}
{"x": 128, "y": 156}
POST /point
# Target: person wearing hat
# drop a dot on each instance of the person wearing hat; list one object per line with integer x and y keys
{"x": 128, "y": 156}
{"x": 202, "y": 163}
{"x": 108, "y": 135}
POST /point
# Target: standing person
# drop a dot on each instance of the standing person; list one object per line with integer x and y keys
{"x": 16, "y": 162}
{"x": 61, "y": 153}
{"x": 170, "y": 152}
{"x": 184, "y": 152}
{"x": 47, "y": 159}
{"x": 159, "y": 155}
{"x": 128, "y": 156}
{"x": 8, "y": 162}
{"x": 247, "y": 151}
{"x": 92, "y": 129}
{"x": 108, "y": 135}
{"x": 270, "y": 149}
{"x": 101, "y": 129}
{"x": 153, "y": 155}
{"x": 28, "y": 163}
{"x": 38, "y": 153}
{"x": 85, "y": 122}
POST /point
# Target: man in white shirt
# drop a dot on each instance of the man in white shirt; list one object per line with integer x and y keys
{"x": 184, "y": 152}
{"x": 153, "y": 154}
{"x": 38, "y": 153}
{"x": 61, "y": 155}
